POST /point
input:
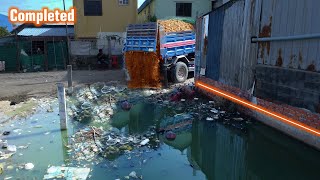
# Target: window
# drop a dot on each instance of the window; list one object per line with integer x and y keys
{"x": 123, "y": 2}
{"x": 184, "y": 9}
{"x": 92, "y": 7}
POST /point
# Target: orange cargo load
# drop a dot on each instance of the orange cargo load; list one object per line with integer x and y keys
{"x": 144, "y": 69}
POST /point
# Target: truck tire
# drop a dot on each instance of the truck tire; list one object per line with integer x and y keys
{"x": 180, "y": 72}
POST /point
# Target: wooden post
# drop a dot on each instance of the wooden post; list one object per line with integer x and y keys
{"x": 62, "y": 106}
{"x": 70, "y": 88}
{"x": 45, "y": 50}
{"x": 70, "y": 76}
{"x": 18, "y": 64}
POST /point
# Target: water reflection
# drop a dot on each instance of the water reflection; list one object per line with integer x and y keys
{"x": 222, "y": 152}
{"x": 263, "y": 153}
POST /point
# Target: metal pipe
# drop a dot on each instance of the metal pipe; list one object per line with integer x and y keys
{"x": 286, "y": 38}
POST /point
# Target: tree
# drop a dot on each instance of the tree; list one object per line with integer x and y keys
{"x": 4, "y": 32}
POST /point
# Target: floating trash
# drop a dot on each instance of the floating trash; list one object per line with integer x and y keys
{"x": 67, "y": 173}
{"x": 86, "y": 106}
{"x": 12, "y": 148}
{"x": 214, "y": 111}
{"x": 6, "y": 133}
{"x": 171, "y": 135}
{"x": 111, "y": 142}
{"x": 105, "y": 90}
{"x": 28, "y": 166}
{"x": 144, "y": 142}
{"x": 126, "y": 105}
{"x": 133, "y": 174}
{"x": 238, "y": 119}
{"x": 209, "y": 119}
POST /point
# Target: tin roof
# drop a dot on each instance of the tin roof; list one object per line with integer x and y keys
{"x": 46, "y": 31}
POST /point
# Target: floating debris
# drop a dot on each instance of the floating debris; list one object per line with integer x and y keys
{"x": 171, "y": 135}
{"x": 209, "y": 119}
{"x": 214, "y": 111}
{"x": 67, "y": 173}
{"x": 5, "y": 156}
{"x": 133, "y": 174}
{"x": 86, "y": 106}
{"x": 144, "y": 142}
{"x": 238, "y": 119}
{"x": 28, "y": 166}
{"x": 6, "y": 133}
{"x": 12, "y": 148}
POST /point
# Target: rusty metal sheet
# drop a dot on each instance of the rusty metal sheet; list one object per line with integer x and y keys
{"x": 289, "y": 18}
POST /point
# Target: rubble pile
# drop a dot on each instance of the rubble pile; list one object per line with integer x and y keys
{"x": 174, "y": 25}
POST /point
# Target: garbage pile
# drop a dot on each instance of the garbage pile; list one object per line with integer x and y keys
{"x": 86, "y": 144}
{"x": 107, "y": 109}
{"x": 175, "y": 25}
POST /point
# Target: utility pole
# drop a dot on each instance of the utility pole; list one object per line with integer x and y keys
{"x": 68, "y": 49}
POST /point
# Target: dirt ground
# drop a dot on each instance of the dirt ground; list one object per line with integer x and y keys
{"x": 18, "y": 87}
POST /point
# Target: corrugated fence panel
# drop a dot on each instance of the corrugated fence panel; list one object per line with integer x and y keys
{"x": 231, "y": 51}
{"x": 57, "y": 55}
{"x": 215, "y": 33}
{"x": 198, "y": 47}
{"x": 290, "y": 18}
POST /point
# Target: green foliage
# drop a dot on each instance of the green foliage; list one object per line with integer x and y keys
{"x": 4, "y": 32}
{"x": 153, "y": 18}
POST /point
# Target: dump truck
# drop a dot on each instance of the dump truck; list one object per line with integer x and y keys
{"x": 176, "y": 50}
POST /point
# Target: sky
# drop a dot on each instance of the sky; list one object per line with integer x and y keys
{"x": 36, "y": 4}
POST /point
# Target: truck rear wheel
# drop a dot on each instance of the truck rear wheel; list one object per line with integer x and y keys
{"x": 180, "y": 72}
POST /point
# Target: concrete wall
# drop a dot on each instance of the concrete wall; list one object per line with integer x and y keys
{"x": 115, "y": 18}
{"x": 90, "y": 47}
{"x": 167, "y": 8}
{"x": 147, "y": 12}
{"x": 294, "y": 87}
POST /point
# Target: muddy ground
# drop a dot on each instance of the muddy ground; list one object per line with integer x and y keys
{"x": 18, "y": 87}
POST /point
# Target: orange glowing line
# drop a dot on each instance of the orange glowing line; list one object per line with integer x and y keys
{"x": 258, "y": 108}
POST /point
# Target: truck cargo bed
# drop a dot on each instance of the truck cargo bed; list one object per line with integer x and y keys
{"x": 143, "y": 37}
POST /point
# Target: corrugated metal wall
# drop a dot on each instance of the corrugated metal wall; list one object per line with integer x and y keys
{"x": 284, "y": 70}
{"x": 229, "y": 44}
{"x": 231, "y": 47}
{"x": 198, "y": 46}
{"x": 231, "y": 57}
{"x": 289, "y": 18}
{"x": 215, "y": 34}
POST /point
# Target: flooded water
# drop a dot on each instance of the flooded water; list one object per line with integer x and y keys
{"x": 201, "y": 150}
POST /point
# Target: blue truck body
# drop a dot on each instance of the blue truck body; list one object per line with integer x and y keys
{"x": 143, "y": 37}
